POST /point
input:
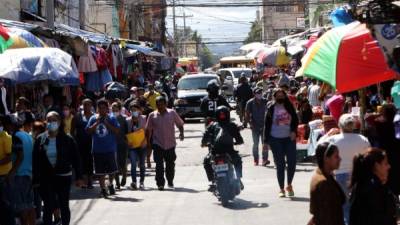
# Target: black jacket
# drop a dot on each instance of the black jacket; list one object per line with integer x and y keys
{"x": 212, "y": 131}
{"x": 269, "y": 117}
{"x": 372, "y": 204}
{"x": 67, "y": 158}
{"x": 208, "y": 106}
{"x": 243, "y": 93}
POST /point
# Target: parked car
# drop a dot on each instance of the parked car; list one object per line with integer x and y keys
{"x": 191, "y": 89}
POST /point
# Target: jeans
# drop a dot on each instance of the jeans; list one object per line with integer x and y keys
{"x": 167, "y": 156}
{"x": 6, "y": 214}
{"x": 55, "y": 192}
{"x": 343, "y": 179}
{"x": 257, "y": 134}
{"x": 284, "y": 148}
{"x": 138, "y": 155}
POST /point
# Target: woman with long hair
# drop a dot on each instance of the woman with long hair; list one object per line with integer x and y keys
{"x": 326, "y": 195}
{"x": 280, "y": 131}
{"x": 372, "y": 202}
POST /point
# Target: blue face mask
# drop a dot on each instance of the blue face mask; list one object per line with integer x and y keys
{"x": 52, "y": 126}
{"x": 135, "y": 114}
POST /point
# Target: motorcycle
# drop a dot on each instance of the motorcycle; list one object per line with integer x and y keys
{"x": 227, "y": 183}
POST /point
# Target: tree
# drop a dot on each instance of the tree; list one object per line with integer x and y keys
{"x": 255, "y": 33}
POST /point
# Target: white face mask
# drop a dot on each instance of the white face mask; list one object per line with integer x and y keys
{"x": 135, "y": 114}
{"x": 116, "y": 114}
{"x": 1, "y": 129}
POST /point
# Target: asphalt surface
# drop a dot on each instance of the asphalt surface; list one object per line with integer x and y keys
{"x": 190, "y": 203}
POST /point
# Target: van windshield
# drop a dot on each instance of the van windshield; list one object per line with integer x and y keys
{"x": 194, "y": 83}
{"x": 237, "y": 73}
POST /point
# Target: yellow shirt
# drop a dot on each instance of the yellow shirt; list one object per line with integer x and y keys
{"x": 151, "y": 99}
{"x": 5, "y": 149}
{"x": 67, "y": 124}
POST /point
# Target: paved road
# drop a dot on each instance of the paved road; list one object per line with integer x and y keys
{"x": 190, "y": 203}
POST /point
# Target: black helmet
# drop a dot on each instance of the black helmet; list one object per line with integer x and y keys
{"x": 212, "y": 86}
{"x": 223, "y": 114}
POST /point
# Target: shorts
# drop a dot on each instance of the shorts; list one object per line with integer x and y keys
{"x": 19, "y": 194}
{"x": 105, "y": 163}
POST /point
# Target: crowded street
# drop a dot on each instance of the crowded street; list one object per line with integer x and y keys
{"x": 199, "y": 112}
{"x": 190, "y": 202}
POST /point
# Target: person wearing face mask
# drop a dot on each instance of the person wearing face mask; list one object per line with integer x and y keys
{"x": 212, "y": 101}
{"x": 122, "y": 148}
{"x": 280, "y": 132}
{"x": 255, "y": 111}
{"x": 55, "y": 155}
{"x": 68, "y": 120}
{"x": 151, "y": 96}
{"x": 137, "y": 155}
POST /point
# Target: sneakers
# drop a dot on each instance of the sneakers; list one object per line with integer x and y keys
{"x": 266, "y": 162}
{"x": 161, "y": 188}
{"x": 134, "y": 186}
{"x": 104, "y": 193}
{"x": 282, "y": 194}
{"x": 111, "y": 189}
{"x": 255, "y": 162}
{"x": 290, "y": 191}
{"x": 171, "y": 186}
{"x": 141, "y": 186}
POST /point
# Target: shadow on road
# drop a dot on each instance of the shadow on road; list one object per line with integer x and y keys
{"x": 299, "y": 199}
{"x": 124, "y": 199}
{"x": 241, "y": 204}
{"x": 184, "y": 190}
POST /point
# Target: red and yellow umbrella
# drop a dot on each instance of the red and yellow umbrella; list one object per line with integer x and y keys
{"x": 348, "y": 58}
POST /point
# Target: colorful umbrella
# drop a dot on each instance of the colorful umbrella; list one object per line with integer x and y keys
{"x": 24, "y": 39}
{"x": 348, "y": 58}
{"x": 5, "y": 40}
{"x": 27, "y": 65}
{"x": 274, "y": 56}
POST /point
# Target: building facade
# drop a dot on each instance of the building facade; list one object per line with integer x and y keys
{"x": 281, "y": 19}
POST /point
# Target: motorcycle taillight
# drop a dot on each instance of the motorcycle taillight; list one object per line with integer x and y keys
{"x": 220, "y": 161}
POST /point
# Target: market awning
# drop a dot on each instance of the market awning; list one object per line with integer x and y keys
{"x": 145, "y": 50}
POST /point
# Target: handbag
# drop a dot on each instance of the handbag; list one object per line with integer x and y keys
{"x": 136, "y": 138}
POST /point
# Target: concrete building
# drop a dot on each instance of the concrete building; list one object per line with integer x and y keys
{"x": 281, "y": 19}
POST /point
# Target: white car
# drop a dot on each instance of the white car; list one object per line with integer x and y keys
{"x": 231, "y": 77}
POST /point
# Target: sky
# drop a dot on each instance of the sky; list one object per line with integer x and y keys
{"x": 212, "y": 23}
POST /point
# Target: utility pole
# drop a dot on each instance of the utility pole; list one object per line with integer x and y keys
{"x": 82, "y": 10}
{"x": 174, "y": 26}
{"x": 50, "y": 13}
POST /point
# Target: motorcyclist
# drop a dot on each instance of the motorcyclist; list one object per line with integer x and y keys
{"x": 218, "y": 144}
{"x": 210, "y": 103}
{"x": 243, "y": 93}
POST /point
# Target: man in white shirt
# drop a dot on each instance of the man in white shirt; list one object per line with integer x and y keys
{"x": 349, "y": 144}
{"x": 313, "y": 93}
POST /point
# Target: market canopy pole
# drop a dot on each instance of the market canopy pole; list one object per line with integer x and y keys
{"x": 50, "y": 13}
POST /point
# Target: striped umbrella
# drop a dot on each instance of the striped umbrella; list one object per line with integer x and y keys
{"x": 348, "y": 58}
{"x": 5, "y": 40}
{"x": 24, "y": 39}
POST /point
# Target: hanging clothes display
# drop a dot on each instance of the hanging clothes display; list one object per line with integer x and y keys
{"x": 87, "y": 63}
{"x": 95, "y": 81}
